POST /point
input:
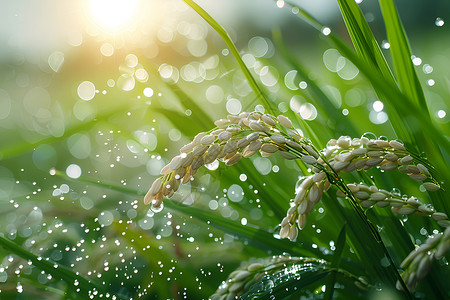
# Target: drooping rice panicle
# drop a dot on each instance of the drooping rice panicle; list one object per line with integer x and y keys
{"x": 243, "y": 278}
{"x": 234, "y": 138}
{"x": 308, "y": 194}
{"x": 371, "y": 195}
{"x": 346, "y": 155}
{"x": 418, "y": 262}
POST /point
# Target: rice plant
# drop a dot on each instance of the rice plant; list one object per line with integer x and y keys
{"x": 227, "y": 172}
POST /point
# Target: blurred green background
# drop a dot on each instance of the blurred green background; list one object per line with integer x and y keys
{"x": 110, "y": 90}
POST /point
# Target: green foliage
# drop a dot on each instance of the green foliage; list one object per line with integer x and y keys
{"x": 95, "y": 231}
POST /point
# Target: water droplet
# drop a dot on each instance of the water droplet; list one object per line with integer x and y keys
{"x": 385, "y": 262}
{"x": 369, "y": 135}
{"x": 417, "y": 61}
{"x": 439, "y": 22}
{"x": 157, "y": 209}
{"x": 326, "y": 31}
{"x": 396, "y": 191}
{"x": 441, "y": 114}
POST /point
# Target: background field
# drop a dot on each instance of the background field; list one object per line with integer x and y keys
{"x": 91, "y": 109}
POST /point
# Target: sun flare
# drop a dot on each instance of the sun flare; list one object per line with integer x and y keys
{"x": 113, "y": 15}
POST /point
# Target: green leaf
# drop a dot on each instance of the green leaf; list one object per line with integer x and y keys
{"x": 335, "y": 262}
{"x": 401, "y": 55}
{"x": 368, "y": 50}
{"x": 363, "y": 39}
{"x": 284, "y": 282}
{"x": 227, "y": 39}
{"x": 299, "y": 279}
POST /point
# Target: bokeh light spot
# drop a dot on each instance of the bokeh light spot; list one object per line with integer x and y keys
{"x": 258, "y": 46}
{"x": 234, "y": 106}
{"x": 86, "y": 90}
{"x": 308, "y": 111}
{"x": 235, "y": 193}
{"x": 73, "y": 171}
{"x": 56, "y": 60}
{"x": 263, "y": 165}
{"x": 126, "y": 82}
{"x": 107, "y": 49}
{"x": 378, "y": 106}
{"x": 214, "y": 94}
{"x": 148, "y": 92}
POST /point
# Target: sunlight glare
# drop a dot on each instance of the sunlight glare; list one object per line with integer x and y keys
{"x": 113, "y": 14}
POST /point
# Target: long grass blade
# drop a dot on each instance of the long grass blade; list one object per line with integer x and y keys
{"x": 286, "y": 282}
{"x": 401, "y": 55}
{"x": 335, "y": 262}
{"x": 300, "y": 279}
{"x": 408, "y": 82}
{"x": 363, "y": 39}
